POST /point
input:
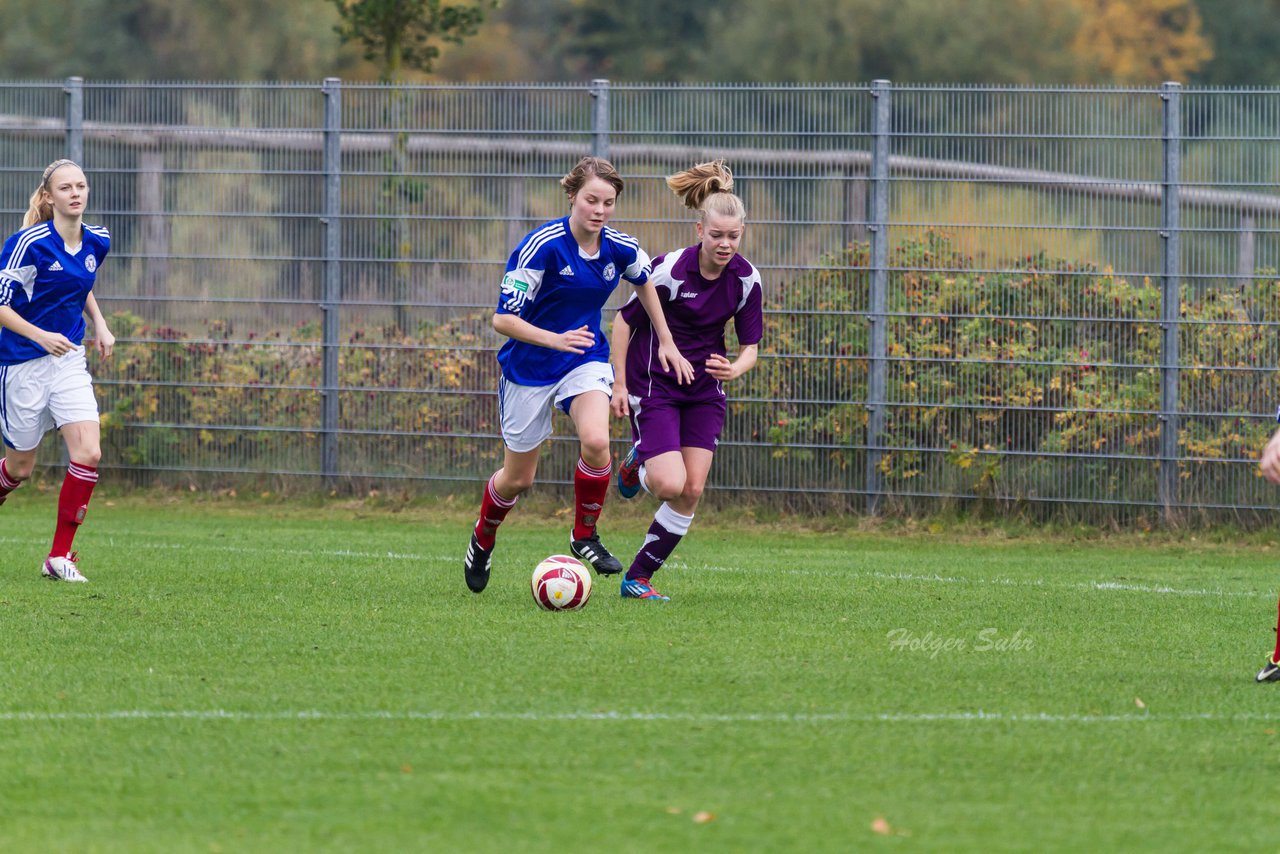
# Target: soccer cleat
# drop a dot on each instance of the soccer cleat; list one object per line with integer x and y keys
{"x": 61, "y": 569}
{"x": 629, "y": 475}
{"x": 476, "y": 565}
{"x": 1269, "y": 673}
{"x": 593, "y": 553}
{"x": 640, "y": 588}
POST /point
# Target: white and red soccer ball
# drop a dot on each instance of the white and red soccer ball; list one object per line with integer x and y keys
{"x": 561, "y": 583}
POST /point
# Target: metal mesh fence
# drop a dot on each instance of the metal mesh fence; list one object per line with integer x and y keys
{"x": 1049, "y": 295}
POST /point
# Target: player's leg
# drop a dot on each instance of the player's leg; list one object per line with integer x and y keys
{"x": 1271, "y": 672}
{"x": 74, "y": 408}
{"x": 503, "y": 490}
{"x": 24, "y": 400}
{"x": 678, "y": 478}
{"x": 629, "y": 467}
{"x": 16, "y": 467}
{"x": 525, "y": 416}
{"x": 590, "y": 413}
{"x": 671, "y": 521}
{"x": 85, "y": 451}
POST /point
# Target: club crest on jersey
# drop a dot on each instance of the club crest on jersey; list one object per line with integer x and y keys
{"x": 90, "y": 263}
{"x": 610, "y": 271}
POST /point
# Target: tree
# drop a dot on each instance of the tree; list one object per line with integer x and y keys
{"x": 1141, "y": 41}
{"x": 1244, "y": 35}
{"x": 407, "y": 32}
{"x": 854, "y": 41}
{"x": 167, "y": 40}
{"x": 399, "y": 32}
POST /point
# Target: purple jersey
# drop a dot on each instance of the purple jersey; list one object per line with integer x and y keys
{"x": 697, "y": 311}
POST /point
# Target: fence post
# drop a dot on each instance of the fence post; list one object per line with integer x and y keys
{"x": 600, "y": 119}
{"x": 879, "y": 228}
{"x": 1171, "y": 298}
{"x": 75, "y": 119}
{"x": 332, "y": 276}
{"x": 1247, "y": 249}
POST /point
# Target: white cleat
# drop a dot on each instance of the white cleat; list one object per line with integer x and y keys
{"x": 61, "y": 569}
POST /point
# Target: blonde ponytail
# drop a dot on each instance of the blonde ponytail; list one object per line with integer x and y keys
{"x": 708, "y": 188}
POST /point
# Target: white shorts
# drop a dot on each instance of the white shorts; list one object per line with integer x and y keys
{"x": 44, "y": 393}
{"x": 525, "y": 410}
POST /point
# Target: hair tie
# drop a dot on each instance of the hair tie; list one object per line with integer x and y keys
{"x": 53, "y": 167}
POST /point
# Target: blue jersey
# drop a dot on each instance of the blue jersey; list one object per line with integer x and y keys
{"x": 47, "y": 283}
{"x": 551, "y": 284}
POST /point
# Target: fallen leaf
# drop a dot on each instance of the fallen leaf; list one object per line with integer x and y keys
{"x": 703, "y": 817}
{"x": 674, "y": 810}
{"x": 1137, "y": 701}
{"x": 881, "y": 826}
{"x": 406, "y": 769}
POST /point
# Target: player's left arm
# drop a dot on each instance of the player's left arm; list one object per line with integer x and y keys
{"x": 720, "y": 368}
{"x": 748, "y": 323}
{"x": 103, "y": 340}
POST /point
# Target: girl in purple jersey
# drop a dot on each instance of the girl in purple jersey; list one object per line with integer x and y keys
{"x": 675, "y": 426}
{"x": 1270, "y": 467}
{"x": 556, "y": 283}
{"x": 47, "y": 272}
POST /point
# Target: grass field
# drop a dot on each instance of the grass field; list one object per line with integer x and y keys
{"x": 241, "y": 676}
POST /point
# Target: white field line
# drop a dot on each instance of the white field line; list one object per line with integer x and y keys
{"x": 636, "y": 717}
{"x": 1105, "y": 586}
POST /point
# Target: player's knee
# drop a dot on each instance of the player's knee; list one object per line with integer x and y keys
{"x": 89, "y": 456}
{"x": 665, "y": 489}
{"x": 692, "y": 492}
{"x": 19, "y": 469}
{"x": 514, "y": 484}
{"x": 595, "y": 449}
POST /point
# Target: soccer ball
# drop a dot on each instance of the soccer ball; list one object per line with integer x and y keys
{"x": 561, "y": 583}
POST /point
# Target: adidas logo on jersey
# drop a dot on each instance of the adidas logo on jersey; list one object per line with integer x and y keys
{"x": 567, "y": 271}
{"x": 55, "y": 267}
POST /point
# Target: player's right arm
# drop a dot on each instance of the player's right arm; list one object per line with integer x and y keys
{"x": 15, "y": 276}
{"x": 514, "y": 326}
{"x": 54, "y": 343}
{"x": 520, "y": 285}
{"x": 619, "y": 340}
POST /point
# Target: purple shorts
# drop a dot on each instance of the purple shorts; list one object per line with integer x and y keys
{"x": 659, "y": 425}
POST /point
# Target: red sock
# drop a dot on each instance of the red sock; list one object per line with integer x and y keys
{"x": 7, "y": 483}
{"x": 493, "y": 509}
{"x": 1276, "y": 658}
{"x": 590, "y": 486}
{"x": 73, "y": 502}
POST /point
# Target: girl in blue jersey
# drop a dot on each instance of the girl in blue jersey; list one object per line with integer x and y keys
{"x": 47, "y": 271}
{"x": 676, "y": 426}
{"x": 557, "y": 281}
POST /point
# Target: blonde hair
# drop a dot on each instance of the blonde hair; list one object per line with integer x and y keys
{"x": 708, "y": 188}
{"x": 38, "y": 209}
{"x": 589, "y": 167}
